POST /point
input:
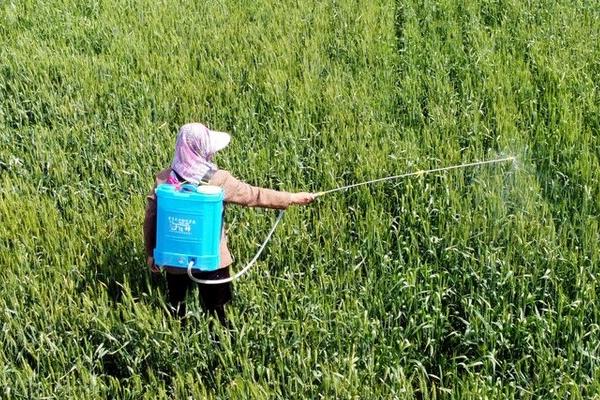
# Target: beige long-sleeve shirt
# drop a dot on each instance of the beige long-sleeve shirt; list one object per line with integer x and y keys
{"x": 235, "y": 192}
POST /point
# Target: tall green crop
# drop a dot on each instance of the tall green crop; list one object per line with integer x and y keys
{"x": 479, "y": 283}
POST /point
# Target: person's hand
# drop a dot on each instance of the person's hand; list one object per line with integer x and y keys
{"x": 151, "y": 265}
{"x": 302, "y": 198}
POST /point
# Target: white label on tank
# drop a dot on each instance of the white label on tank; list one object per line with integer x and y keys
{"x": 181, "y": 225}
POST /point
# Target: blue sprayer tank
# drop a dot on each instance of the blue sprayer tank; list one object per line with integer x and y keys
{"x": 188, "y": 226}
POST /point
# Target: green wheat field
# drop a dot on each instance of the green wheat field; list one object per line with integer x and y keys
{"x": 474, "y": 283}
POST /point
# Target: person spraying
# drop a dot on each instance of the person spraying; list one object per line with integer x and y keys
{"x": 193, "y": 164}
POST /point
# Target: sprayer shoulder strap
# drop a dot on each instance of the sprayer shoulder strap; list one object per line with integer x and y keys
{"x": 203, "y": 181}
{"x": 207, "y": 177}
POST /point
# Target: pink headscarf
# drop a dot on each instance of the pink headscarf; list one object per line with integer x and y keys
{"x": 194, "y": 149}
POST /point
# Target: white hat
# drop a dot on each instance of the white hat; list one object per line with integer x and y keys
{"x": 218, "y": 140}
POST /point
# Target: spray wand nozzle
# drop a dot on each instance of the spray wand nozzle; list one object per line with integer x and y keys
{"x": 417, "y": 173}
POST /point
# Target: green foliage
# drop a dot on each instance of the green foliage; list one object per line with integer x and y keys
{"x": 478, "y": 283}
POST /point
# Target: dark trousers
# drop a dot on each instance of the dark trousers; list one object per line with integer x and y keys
{"x": 212, "y": 297}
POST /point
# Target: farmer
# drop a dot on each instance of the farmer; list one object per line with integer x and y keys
{"x": 192, "y": 163}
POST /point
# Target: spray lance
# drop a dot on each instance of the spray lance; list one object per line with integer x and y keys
{"x": 189, "y": 223}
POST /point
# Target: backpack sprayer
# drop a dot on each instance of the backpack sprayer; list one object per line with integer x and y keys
{"x": 190, "y": 223}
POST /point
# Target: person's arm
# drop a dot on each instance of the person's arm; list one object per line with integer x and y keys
{"x": 238, "y": 192}
{"x": 150, "y": 230}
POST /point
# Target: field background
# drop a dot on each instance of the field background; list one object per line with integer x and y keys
{"x": 481, "y": 283}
